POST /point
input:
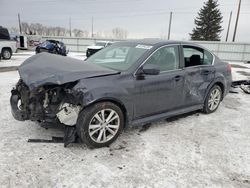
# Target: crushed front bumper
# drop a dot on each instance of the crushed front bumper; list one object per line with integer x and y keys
{"x": 16, "y": 111}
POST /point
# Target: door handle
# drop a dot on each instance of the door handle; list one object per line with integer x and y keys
{"x": 177, "y": 78}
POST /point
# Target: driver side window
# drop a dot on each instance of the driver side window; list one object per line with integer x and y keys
{"x": 166, "y": 58}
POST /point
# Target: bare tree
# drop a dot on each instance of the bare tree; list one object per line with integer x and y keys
{"x": 25, "y": 28}
{"x": 80, "y": 33}
{"x": 85, "y": 33}
{"x": 36, "y": 28}
{"x": 77, "y": 32}
{"x": 39, "y": 29}
{"x": 14, "y": 30}
{"x": 119, "y": 33}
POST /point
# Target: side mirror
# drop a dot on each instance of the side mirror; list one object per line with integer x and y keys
{"x": 150, "y": 69}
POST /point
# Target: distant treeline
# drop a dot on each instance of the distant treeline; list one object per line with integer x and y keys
{"x": 40, "y": 29}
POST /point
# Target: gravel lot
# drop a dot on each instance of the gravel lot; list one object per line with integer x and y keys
{"x": 193, "y": 151}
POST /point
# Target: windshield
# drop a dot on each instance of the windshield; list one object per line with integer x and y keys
{"x": 118, "y": 57}
{"x": 47, "y": 44}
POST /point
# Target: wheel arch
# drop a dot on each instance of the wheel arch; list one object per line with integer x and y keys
{"x": 116, "y": 102}
{"x": 222, "y": 86}
{"x": 6, "y": 48}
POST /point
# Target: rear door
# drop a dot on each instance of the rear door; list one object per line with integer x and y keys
{"x": 199, "y": 73}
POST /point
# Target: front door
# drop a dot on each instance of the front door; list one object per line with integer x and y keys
{"x": 163, "y": 92}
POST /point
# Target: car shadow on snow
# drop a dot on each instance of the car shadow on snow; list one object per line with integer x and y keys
{"x": 121, "y": 143}
{"x": 145, "y": 127}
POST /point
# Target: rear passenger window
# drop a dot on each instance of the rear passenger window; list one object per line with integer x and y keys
{"x": 208, "y": 58}
{"x": 195, "y": 56}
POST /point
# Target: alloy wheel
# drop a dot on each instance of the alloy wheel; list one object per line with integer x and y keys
{"x": 214, "y": 99}
{"x": 104, "y": 125}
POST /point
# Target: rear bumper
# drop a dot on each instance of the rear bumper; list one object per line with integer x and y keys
{"x": 228, "y": 85}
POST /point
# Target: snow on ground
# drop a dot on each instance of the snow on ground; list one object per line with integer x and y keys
{"x": 194, "y": 151}
{"x": 19, "y": 57}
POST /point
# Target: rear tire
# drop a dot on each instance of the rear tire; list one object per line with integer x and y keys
{"x": 100, "y": 124}
{"x": 6, "y": 53}
{"x": 213, "y": 100}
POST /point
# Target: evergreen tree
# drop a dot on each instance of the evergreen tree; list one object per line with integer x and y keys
{"x": 208, "y": 23}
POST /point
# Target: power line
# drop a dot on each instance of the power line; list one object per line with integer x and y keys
{"x": 135, "y": 14}
{"x": 129, "y": 15}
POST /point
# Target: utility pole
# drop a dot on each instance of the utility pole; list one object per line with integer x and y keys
{"x": 170, "y": 22}
{"x": 70, "y": 26}
{"x": 19, "y": 22}
{"x": 237, "y": 19}
{"x": 229, "y": 25}
{"x": 92, "y": 27}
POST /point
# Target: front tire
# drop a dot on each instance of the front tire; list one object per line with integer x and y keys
{"x": 100, "y": 124}
{"x": 213, "y": 100}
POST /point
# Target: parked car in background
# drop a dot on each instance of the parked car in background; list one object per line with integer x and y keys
{"x": 7, "y": 46}
{"x": 98, "y": 46}
{"x": 127, "y": 83}
{"x": 52, "y": 46}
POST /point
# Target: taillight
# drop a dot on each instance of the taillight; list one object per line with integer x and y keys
{"x": 229, "y": 68}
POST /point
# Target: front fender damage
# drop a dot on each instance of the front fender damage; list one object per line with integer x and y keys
{"x": 68, "y": 114}
{"x": 53, "y": 104}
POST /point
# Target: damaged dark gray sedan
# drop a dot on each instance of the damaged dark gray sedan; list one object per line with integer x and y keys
{"x": 128, "y": 83}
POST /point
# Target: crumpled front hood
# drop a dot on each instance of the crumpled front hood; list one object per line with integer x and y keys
{"x": 47, "y": 69}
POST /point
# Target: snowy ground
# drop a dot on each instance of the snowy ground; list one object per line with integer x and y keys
{"x": 19, "y": 57}
{"x": 194, "y": 151}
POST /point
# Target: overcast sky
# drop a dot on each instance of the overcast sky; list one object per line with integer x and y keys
{"x": 141, "y": 18}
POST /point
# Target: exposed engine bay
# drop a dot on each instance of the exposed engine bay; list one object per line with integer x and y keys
{"x": 50, "y": 104}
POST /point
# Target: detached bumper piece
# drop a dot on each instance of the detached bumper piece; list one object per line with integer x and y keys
{"x": 242, "y": 84}
{"x": 53, "y": 140}
{"x": 16, "y": 108}
{"x": 70, "y": 136}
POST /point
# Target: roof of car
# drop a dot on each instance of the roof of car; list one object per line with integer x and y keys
{"x": 104, "y": 41}
{"x": 53, "y": 41}
{"x": 156, "y": 41}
